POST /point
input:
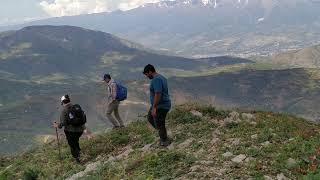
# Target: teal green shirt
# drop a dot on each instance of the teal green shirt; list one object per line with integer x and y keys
{"x": 159, "y": 85}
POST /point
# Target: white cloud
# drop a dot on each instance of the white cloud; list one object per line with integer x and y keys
{"x": 74, "y": 7}
{"x": 58, "y": 8}
{"x": 131, "y": 4}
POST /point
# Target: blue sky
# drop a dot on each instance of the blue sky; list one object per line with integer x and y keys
{"x": 13, "y": 11}
{"x": 18, "y": 11}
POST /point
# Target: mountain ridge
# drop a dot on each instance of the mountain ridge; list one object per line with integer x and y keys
{"x": 206, "y": 143}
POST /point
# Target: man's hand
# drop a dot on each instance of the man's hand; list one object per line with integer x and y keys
{"x": 154, "y": 113}
{"x": 55, "y": 125}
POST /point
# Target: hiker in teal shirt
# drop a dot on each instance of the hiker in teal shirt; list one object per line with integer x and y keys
{"x": 160, "y": 102}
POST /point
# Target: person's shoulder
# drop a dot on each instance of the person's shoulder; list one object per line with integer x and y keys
{"x": 162, "y": 78}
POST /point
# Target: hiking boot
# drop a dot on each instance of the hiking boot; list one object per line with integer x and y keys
{"x": 165, "y": 143}
{"x": 122, "y": 126}
{"x": 116, "y": 127}
{"x": 78, "y": 160}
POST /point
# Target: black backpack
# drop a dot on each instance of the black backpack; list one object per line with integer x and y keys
{"x": 77, "y": 117}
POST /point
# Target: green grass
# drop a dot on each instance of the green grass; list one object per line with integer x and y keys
{"x": 289, "y": 137}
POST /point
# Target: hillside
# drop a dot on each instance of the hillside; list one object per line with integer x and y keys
{"x": 76, "y": 54}
{"x": 294, "y": 91}
{"x": 307, "y": 57}
{"x": 207, "y": 143}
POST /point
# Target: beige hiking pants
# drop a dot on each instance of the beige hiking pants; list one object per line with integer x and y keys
{"x": 114, "y": 107}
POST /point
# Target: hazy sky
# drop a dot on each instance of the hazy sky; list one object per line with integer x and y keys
{"x": 17, "y": 11}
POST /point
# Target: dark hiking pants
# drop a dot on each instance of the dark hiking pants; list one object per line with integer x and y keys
{"x": 73, "y": 141}
{"x": 159, "y": 122}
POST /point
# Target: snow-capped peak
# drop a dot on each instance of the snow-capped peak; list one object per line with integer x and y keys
{"x": 203, "y": 3}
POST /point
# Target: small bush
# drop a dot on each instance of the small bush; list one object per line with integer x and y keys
{"x": 165, "y": 163}
{"x": 31, "y": 174}
{"x": 119, "y": 138}
{"x": 213, "y": 113}
{"x": 180, "y": 116}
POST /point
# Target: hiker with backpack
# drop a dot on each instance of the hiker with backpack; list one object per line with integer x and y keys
{"x": 160, "y": 103}
{"x": 117, "y": 93}
{"x": 73, "y": 120}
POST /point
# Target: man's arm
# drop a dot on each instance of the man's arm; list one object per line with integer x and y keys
{"x": 62, "y": 120}
{"x": 157, "y": 98}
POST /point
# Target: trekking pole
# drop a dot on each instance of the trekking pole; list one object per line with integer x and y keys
{"x": 58, "y": 143}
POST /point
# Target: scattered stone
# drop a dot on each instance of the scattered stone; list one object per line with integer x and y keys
{"x": 199, "y": 153}
{"x": 267, "y": 177}
{"x": 89, "y": 168}
{"x": 111, "y": 159}
{"x": 291, "y": 163}
{"x": 236, "y": 142}
{"x": 146, "y": 148}
{"x": 186, "y": 143}
{"x": 265, "y": 143}
{"x": 99, "y": 157}
{"x": 48, "y": 139}
{"x": 125, "y": 153}
{"x": 196, "y": 113}
{"x": 215, "y": 141}
{"x": 222, "y": 171}
{"x": 247, "y": 116}
{"x": 227, "y": 154}
{"x": 253, "y": 123}
{"x": 248, "y": 159}
{"x": 234, "y": 115}
{"x": 239, "y": 158}
{"x": 215, "y": 121}
{"x": 216, "y": 133}
{"x": 195, "y": 168}
{"x": 233, "y": 118}
{"x": 291, "y": 139}
{"x": 255, "y": 136}
{"x": 282, "y": 177}
{"x": 207, "y": 163}
{"x": 171, "y": 146}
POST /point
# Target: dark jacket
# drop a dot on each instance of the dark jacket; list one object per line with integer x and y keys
{"x": 63, "y": 120}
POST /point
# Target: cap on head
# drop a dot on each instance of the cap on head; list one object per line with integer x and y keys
{"x": 65, "y": 99}
{"x": 106, "y": 76}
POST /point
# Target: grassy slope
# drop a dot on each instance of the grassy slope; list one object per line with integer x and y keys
{"x": 199, "y": 143}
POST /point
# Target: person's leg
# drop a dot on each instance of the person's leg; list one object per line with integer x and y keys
{"x": 161, "y": 122}
{"x": 111, "y": 108}
{"x": 77, "y": 136}
{"x": 72, "y": 143}
{"x": 117, "y": 115}
{"x": 151, "y": 120}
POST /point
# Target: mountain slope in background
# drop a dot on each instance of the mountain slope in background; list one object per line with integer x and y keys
{"x": 307, "y": 57}
{"x": 294, "y": 91}
{"x": 66, "y": 52}
{"x": 206, "y": 28}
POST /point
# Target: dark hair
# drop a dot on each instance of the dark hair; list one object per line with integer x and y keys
{"x": 67, "y": 100}
{"x": 148, "y": 68}
{"x": 106, "y": 76}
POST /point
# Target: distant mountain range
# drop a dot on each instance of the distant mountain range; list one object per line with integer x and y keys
{"x": 66, "y": 52}
{"x": 201, "y": 28}
{"x": 294, "y": 91}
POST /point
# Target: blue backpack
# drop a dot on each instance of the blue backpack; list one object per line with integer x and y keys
{"x": 122, "y": 92}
